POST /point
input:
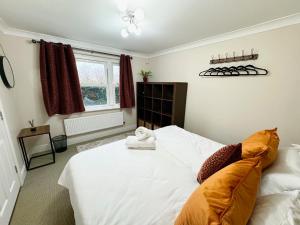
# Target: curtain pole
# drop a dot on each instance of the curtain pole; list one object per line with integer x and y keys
{"x": 85, "y": 50}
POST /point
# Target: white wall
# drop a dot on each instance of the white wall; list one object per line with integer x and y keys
{"x": 229, "y": 109}
{"x": 226, "y": 110}
{"x": 12, "y": 118}
{"x": 26, "y": 100}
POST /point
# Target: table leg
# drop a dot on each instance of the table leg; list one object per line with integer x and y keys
{"x": 26, "y": 156}
{"x": 23, "y": 148}
{"x": 52, "y": 148}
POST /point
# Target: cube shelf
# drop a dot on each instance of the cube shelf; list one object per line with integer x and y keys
{"x": 157, "y": 105}
{"x": 157, "y": 90}
{"x": 168, "y": 92}
{"x": 167, "y": 107}
{"x": 161, "y": 104}
{"x": 148, "y": 90}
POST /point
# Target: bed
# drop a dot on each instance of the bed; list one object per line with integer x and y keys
{"x": 112, "y": 185}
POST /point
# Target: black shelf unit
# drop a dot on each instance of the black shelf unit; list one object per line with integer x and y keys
{"x": 161, "y": 104}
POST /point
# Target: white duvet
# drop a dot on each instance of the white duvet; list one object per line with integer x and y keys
{"x": 111, "y": 185}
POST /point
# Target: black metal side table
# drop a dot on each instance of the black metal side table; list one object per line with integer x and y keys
{"x": 27, "y": 132}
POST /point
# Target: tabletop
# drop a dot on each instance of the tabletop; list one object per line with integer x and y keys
{"x": 26, "y": 132}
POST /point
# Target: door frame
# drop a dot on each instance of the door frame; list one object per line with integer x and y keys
{"x": 21, "y": 172}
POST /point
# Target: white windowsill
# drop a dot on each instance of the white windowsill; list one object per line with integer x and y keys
{"x": 101, "y": 108}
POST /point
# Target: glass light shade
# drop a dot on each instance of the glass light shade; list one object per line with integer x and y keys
{"x": 138, "y": 31}
{"x": 124, "y": 33}
{"x": 139, "y": 14}
{"x": 131, "y": 28}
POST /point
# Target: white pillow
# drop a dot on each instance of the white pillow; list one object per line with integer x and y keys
{"x": 283, "y": 175}
{"x": 277, "y": 209}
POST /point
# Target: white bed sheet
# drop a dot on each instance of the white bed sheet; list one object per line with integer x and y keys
{"x": 277, "y": 209}
{"x": 111, "y": 185}
{"x": 283, "y": 175}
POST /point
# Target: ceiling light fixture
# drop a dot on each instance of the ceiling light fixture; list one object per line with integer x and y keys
{"x": 132, "y": 21}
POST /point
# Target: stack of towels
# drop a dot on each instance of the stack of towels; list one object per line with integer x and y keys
{"x": 144, "y": 139}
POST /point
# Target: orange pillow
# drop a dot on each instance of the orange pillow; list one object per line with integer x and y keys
{"x": 264, "y": 143}
{"x": 227, "y": 197}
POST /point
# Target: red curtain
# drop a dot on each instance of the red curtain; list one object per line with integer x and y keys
{"x": 59, "y": 78}
{"x": 127, "y": 98}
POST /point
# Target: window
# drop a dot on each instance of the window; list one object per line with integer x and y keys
{"x": 99, "y": 81}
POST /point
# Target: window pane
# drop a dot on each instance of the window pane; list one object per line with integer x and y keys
{"x": 94, "y": 95}
{"x": 93, "y": 82}
{"x": 116, "y": 80}
{"x": 117, "y": 95}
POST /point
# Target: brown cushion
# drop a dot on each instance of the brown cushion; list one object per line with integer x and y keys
{"x": 220, "y": 159}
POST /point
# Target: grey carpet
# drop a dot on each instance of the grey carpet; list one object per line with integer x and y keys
{"x": 103, "y": 141}
{"x": 41, "y": 200}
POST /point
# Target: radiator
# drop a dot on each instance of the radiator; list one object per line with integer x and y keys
{"x": 81, "y": 125}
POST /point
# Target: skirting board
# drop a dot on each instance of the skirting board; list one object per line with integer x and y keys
{"x": 86, "y": 137}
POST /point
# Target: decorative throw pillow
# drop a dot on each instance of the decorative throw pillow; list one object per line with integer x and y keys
{"x": 227, "y": 197}
{"x": 220, "y": 159}
{"x": 263, "y": 143}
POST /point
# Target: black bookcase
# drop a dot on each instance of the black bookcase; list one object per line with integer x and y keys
{"x": 161, "y": 104}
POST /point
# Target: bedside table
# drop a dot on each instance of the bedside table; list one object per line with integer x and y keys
{"x": 26, "y": 133}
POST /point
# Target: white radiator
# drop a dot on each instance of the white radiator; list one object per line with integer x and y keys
{"x": 86, "y": 124}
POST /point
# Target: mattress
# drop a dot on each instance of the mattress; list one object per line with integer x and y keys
{"x": 111, "y": 185}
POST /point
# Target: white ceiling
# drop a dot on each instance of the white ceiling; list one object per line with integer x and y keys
{"x": 167, "y": 23}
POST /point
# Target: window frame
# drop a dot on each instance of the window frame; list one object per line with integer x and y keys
{"x": 110, "y": 92}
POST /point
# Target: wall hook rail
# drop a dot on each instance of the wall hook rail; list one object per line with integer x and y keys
{"x": 234, "y": 58}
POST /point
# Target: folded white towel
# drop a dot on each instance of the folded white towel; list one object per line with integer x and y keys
{"x": 133, "y": 143}
{"x": 142, "y": 133}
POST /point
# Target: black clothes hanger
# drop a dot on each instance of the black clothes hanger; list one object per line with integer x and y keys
{"x": 234, "y": 71}
{"x": 226, "y": 71}
{"x": 243, "y": 70}
{"x": 265, "y": 72}
{"x": 248, "y": 70}
{"x": 204, "y": 73}
{"x": 219, "y": 71}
